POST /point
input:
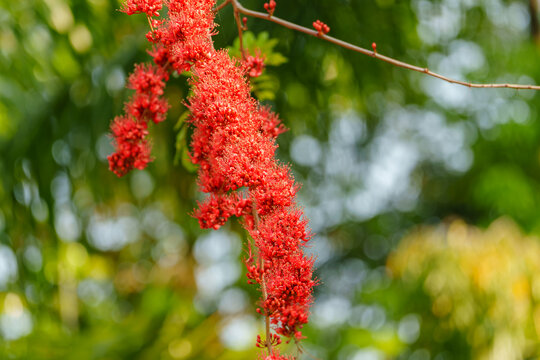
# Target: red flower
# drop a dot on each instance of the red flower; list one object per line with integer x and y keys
{"x": 254, "y": 65}
{"x": 234, "y": 145}
{"x": 130, "y": 131}
{"x": 149, "y": 7}
{"x": 132, "y": 150}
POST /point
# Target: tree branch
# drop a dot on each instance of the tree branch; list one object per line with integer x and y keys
{"x": 238, "y": 8}
{"x": 222, "y": 5}
{"x": 240, "y": 32}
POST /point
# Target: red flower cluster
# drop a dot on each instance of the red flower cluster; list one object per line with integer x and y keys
{"x": 181, "y": 40}
{"x": 234, "y": 145}
{"x": 322, "y": 28}
{"x": 254, "y": 65}
{"x": 184, "y": 37}
{"x": 276, "y": 356}
{"x": 148, "y": 7}
{"x": 130, "y": 131}
{"x": 217, "y": 209}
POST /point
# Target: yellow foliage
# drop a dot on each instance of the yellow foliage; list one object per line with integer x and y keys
{"x": 483, "y": 283}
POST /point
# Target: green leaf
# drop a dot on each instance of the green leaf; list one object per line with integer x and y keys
{"x": 180, "y": 143}
{"x": 186, "y": 161}
{"x": 265, "y": 87}
{"x": 181, "y": 154}
{"x": 275, "y": 59}
{"x": 181, "y": 120}
{"x": 262, "y": 43}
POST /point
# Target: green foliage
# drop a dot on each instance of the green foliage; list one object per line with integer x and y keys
{"x": 182, "y": 152}
{"x": 266, "y": 85}
{"x": 379, "y": 150}
{"x": 259, "y": 44}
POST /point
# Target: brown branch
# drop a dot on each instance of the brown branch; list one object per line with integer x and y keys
{"x": 238, "y": 8}
{"x": 222, "y": 5}
{"x": 239, "y": 25}
{"x": 240, "y": 31}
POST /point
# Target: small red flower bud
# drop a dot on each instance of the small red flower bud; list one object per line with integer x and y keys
{"x": 374, "y": 46}
{"x": 270, "y": 7}
{"x": 322, "y": 28}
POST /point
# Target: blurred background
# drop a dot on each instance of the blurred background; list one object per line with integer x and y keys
{"x": 423, "y": 196}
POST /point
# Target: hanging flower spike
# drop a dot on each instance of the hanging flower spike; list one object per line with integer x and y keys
{"x": 322, "y": 28}
{"x": 132, "y": 149}
{"x": 234, "y": 145}
{"x": 148, "y": 7}
{"x": 233, "y": 142}
{"x": 270, "y": 7}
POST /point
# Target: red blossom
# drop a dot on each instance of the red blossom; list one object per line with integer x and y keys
{"x": 148, "y": 7}
{"x": 146, "y": 78}
{"x": 215, "y": 210}
{"x": 132, "y": 149}
{"x": 160, "y": 55}
{"x": 234, "y": 145}
{"x": 254, "y": 65}
{"x": 275, "y": 355}
{"x": 126, "y": 129}
{"x": 271, "y": 123}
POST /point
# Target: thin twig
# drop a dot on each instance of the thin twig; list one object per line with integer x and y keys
{"x": 240, "y": 28}
{"x": 239, "y": 8}
{"x": 150, "y": 22}
{"x": 302, "y": 350}
{"x": 222, "y": 5}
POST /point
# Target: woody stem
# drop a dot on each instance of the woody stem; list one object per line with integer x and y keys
{"x": 240, "y": 28}
{"x": 222, "y": 5}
